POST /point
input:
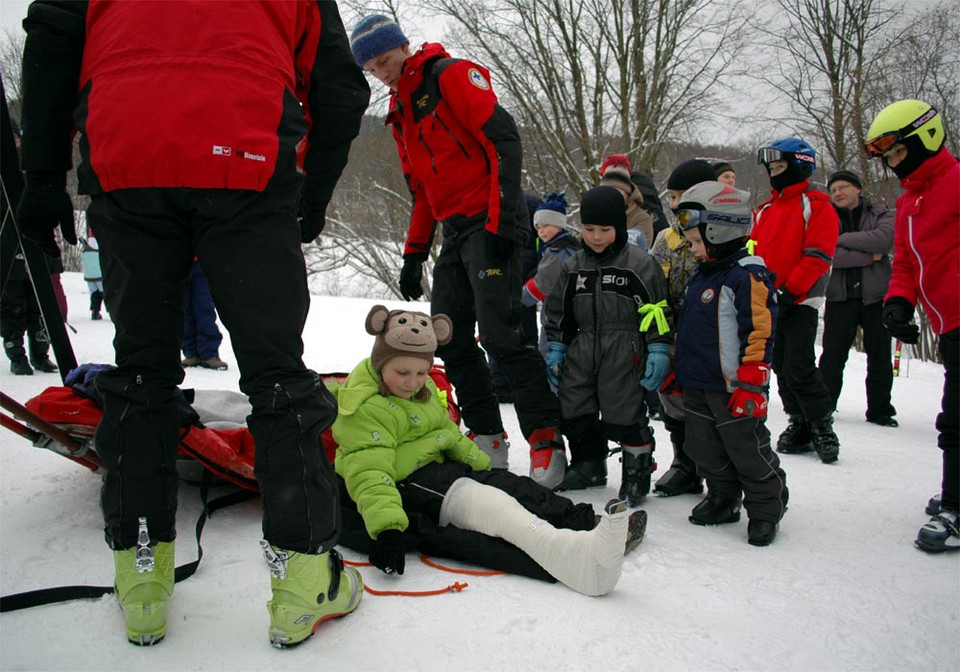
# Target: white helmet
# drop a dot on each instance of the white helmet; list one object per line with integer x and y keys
{"x": 720, "y": 211}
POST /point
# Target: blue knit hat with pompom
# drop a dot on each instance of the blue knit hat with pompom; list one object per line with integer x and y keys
{"x": 553, "y": 212}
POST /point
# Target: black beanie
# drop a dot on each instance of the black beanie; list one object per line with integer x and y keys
{"x": 845, "y": 176}
{"x": 690, "y": 173}
{"x": 720, "y": 167}
{"x": 605, "y": 206}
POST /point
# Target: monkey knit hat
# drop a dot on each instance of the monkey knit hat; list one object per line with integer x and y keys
{"x": 405, "y": 333}
{"x": 374, "y": 35}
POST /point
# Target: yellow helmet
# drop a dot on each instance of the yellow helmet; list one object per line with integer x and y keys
{"x": 901, "y": 120}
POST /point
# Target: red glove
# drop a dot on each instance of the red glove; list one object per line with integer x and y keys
{"x": 749, "y": 399}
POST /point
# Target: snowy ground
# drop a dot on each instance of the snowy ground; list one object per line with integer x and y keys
{"x": 842, "y": 588}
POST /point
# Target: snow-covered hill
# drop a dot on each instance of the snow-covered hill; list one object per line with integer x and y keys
{"x": 842, "y": 588}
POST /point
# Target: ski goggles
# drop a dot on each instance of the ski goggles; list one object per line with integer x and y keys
{"x": 767, "y": 155}
{"x": 881, "y": 144}
{"x": 691, "y": 219}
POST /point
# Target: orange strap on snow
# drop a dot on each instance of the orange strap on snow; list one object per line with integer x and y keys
{"x": 455, "y": 587}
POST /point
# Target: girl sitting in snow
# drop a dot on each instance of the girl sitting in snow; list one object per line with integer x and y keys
{"x": 404, "y": 461}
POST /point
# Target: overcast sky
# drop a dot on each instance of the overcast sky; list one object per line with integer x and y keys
{"x": 12, "y": 12}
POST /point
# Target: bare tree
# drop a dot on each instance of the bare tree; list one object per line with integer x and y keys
{"x": 584, "y": 79}
{"x": 825, "y": 53}
{"x": 11, "y": 61}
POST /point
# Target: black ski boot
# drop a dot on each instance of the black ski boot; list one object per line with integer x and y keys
{"x": 43, "y": 363}
{"x": 638, "y": 467}
{"x": 825, "y": 440}
{"x": 796, "y": 438}
{"x": 588, "y": 474}
{"x": 39, "y": 351}
{"x": 761, "y": 532}
{"x": 716, "y": 510}
{"x": 19, "y": 365}
{"x": 681, "y": 478}
{"x": 96, "y": 301}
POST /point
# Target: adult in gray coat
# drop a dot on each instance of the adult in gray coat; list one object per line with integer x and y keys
{"x": 861, "y": 273}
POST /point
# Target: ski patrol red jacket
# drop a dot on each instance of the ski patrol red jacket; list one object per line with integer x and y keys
{"x": 459, "y": 150}
{"x": 926, "y": 241}
{"x": 795, "y": 232}
{"x": 152, "y": 107}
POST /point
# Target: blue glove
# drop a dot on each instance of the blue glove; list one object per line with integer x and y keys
{"x": 658, "y": 364}
{"x": 556, "y": 352}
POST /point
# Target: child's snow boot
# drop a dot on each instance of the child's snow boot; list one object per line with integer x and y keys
{"x": 761, "y": 532}
{"x": 825, "y": 440}
{"x": 144, "y": 584}
{"x": 307, "y": 590}
{"x": 940, "y": 534}
{"x": 681, "y": 478}
{"x": 587, "y": 474}
{"x": 19, "y": 366}
{"x": 638, "y": 467}
{"x": 796, "y": 437}
{"x": 716, "y": 510}
{"x": 548, "y": 457}
{"x": 495, "y": 446}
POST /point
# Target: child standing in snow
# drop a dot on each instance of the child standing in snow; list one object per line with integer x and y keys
{"x": 557, "y": 245}
{"x": 724, "y": 350}
{"x": 609, "y": 337}
{"x": 404, "y": 462}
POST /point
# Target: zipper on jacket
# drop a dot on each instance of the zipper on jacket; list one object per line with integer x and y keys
{"x": 433, "y": 160}
{"x": 463, "y": 149}
{"x": 913, "y": 248}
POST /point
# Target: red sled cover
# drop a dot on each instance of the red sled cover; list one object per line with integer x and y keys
{"x": 228, "y": 453}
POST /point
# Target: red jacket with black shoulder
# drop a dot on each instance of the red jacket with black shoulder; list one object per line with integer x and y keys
{"x": 459, "y": 150}
{"x": 194, "y": 93}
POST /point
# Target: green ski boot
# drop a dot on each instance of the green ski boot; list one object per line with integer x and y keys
{"x": 144, "y": 585}
{"x": 307, "y": 590}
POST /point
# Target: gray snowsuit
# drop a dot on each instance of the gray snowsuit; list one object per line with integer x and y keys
{"x": 593, "y": 309}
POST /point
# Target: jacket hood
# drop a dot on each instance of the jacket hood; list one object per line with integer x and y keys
{"x": 427, "y": 52}
{"x": 362, "y": 383}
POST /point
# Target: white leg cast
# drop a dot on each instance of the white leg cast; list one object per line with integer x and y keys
{"x": 587, "y": 561}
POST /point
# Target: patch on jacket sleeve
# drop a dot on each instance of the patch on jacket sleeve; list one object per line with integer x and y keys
{"x": 477, "y": 79}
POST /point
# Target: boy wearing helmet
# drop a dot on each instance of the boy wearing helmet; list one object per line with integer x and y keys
{"x": 722, "y": 362}
{"x": 908, "y": 136}
{"x": 795, "y": 232}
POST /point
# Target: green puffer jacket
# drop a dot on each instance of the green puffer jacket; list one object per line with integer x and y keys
{"x": 383, "y": 440}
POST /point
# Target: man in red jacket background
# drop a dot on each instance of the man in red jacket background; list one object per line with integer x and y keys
{"x": 795, "y": 232}
{"x": 460, "y": 152}
{"x": 908, "y": 137}
{"x": 191, "y": 117}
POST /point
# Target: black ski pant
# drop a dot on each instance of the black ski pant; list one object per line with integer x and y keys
{"x": 249, "y": 245}
{"x": 840, "y": 322}
{"x": 734, "y": 455}
{"x": 479, "y": 296}
{"x": 794, "y": 361}
{"x": 20, "y": 314}
{"x": 948, "y": 420}
{"x": 422, "y": 495}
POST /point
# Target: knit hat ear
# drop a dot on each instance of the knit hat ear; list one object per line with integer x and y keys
{"x": 406, "y": 333}
{"x": 375, "y": 35}
{"x": 553, "y": 211}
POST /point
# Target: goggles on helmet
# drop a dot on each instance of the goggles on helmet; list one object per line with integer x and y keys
{"x": 691, "y": 219}
{"x": 881, "y": 144}
{"x": 769, "y": 155}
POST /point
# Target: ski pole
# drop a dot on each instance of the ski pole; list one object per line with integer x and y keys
{"x": 896, "y": 357}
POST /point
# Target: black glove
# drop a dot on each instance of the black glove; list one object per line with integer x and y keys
{"x": 785, "y": 297}
{"x": 499, "y": 248}
{"x": 411, "y": 276}
{"x": 389, "y": 552}
{"x": 45, "y": 205}
{"x": 312, "y": 219}
{"x": 898, "y": 319}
